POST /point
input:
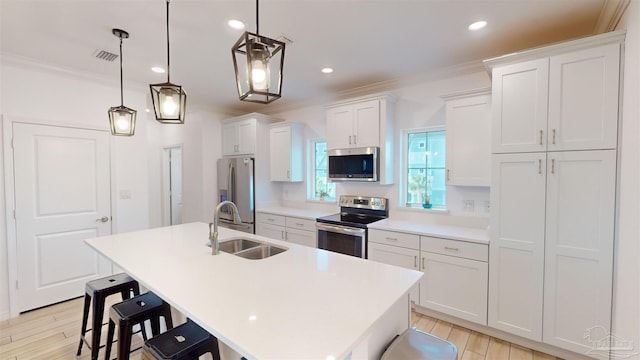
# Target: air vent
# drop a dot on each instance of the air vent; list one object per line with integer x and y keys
{"x": 285, "y": 39}
{"x": 105, "y": 55}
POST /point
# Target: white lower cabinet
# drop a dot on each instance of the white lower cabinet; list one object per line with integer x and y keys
{"x": 455, "y": 272}
{"x": 398, "y": 256}
{"x": 287, "y": 228}
{"x": 456, "y": 276}
{"x": 552, "y": 245}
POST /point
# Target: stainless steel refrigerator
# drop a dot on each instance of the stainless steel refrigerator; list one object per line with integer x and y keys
{"x": 236, "y": 183}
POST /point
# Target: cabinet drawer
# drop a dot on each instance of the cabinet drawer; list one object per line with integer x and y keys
{"x": 302, "y": 237}
{"x": 410, "y": 241}
{"x": 457, "y": 248}
{"x": 270, "y": 219}
{"x": 302, "y": 224}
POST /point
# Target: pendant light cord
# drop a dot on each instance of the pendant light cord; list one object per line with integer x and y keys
{"x": 257, "y": 21}
{"x": 121, "y": 90}
{"x": 168, "y": 66}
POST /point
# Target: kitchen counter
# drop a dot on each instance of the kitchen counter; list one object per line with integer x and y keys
{"x": 304, "y": 303}
{"x": 294, "y": 212}
{"x": 475, "y": 235}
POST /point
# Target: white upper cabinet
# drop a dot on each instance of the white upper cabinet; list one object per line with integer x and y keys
{"x": 286, "y": 151}
{"x": 364, "y": 122}
{"x": 354, "y": 125}
{"x": 566, "y": 101}
{"x": 583, "y": 99}
{"x": 468, "y": 118}
{"x": 520, "y": 93}
{"x": 239, "y": 137}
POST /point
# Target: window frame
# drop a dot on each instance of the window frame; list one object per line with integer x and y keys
{"x": 311, "y": 185}
{"x": 403, "y": 171}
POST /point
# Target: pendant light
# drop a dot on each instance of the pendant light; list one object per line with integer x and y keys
{"x": 122, "y": 118}
{"x": 258, "y": 62}
{"x": 169, "y": 100}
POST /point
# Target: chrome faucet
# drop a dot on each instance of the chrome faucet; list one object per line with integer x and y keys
{"x": 213, "y": 227}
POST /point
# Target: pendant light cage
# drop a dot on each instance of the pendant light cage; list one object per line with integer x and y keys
{"x": 122, "y": 119}
{"x": 169, "y": 100}
{"x": 258, "y": 63}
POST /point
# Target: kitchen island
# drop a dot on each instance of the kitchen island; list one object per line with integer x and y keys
{"x": 304, "y": 303}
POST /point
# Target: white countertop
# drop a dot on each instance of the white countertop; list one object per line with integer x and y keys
{"x": 475, "y": 235}
{"x": 300, "y": 213}
{"x": 304, "y": 303}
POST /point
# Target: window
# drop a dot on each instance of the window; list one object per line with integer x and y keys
{"x": 321, "y": 188}
{"x": 425, "y": 168}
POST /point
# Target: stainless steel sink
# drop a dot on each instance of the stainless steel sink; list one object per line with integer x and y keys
{"x": 249, "y": 249}
{"x": 235, "y": 245}
{"x": 260, "y": 252}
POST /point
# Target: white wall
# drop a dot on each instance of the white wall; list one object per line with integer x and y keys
{"x": 416, "y": 106}
{"x": 626, "y": 308}
{"x": 33, "y": 93}
{"x": 200, "y": 138}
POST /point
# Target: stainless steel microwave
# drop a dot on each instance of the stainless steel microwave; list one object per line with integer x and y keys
{"x": 354, "y": 164}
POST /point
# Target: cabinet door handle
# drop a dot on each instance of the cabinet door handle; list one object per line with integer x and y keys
{"x": 415, "y": 261}
{"x": 354, "y": 139}
{"x": 553, "y": 166}
{"x": 300, "y": 224}
{"x": 553, "y": 136}
{"x": 270, "y": 219}
{"x": 422, "y": 263}
{"x": 392, "y": 239}
{"x": 282, "y": 235}
{"x": 288, "y": 174}
{"x": 349, "y": 139}
{"x": 451, "y": 248}
{"x": 540, "y": 137}
{"x": 448, "y": 172}
{"x": 539, "y": 166}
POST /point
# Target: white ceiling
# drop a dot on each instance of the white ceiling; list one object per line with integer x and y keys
{"x": 367, "y": 42}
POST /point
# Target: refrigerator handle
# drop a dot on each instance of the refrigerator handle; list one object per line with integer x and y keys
{"x": 229, "y": 186}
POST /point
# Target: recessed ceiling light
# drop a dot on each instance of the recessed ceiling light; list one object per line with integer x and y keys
{"x": 235, "y": 24}
{"x": 147, "y": 110}
{"x": 158, "y": 69}
{"x": 327, "y": 70}
{"x": 477, "y": 25}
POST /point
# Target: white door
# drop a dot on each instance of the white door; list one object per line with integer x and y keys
{"x": 454, "y": 286}
{"x": 62, "y": 197}
{"x": 516, "y": 249}
{"x": 339, "y": 127}
{"x": 469, "y": 141}
{"x": 247, "y": 137}
{"x": 280, "y": 153}
{"x": 579, "y": 247}
{"x": 367, "y": 124}
{"x": 519, "y": 103}
{"x": 175, "y": 178}
{"x": 398, "y": 256}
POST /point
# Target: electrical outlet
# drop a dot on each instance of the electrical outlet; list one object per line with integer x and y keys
{"x": 468, "y": 205}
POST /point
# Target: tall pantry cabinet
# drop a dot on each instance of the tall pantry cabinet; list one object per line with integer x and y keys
{"x": 553, "y": 191}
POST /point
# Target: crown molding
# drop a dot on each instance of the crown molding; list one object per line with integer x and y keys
{"x": 610, "y": 16}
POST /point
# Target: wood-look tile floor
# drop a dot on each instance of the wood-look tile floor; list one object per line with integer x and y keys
{"x": 53, "y": 332}
{"x": 473, "y": 345}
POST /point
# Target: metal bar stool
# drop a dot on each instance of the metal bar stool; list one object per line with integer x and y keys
{"x": 184, "y": 342}
{"x": 97, "y": 291}
{"x": 132, "y": 312}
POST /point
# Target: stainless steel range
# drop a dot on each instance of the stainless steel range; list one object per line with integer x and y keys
{"x": 346, "y": 232}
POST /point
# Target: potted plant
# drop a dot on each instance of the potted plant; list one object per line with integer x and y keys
{"x": 322, "y": 194}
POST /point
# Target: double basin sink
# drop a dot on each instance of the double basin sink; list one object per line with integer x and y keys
{"x": 249, "y": 249}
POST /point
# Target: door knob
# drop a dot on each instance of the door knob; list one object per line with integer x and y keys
{"x": 102, "y": 219}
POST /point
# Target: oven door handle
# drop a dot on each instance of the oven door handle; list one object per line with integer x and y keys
{"x": 341, "y": 230}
